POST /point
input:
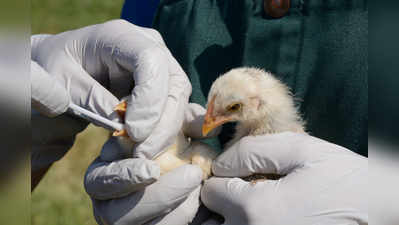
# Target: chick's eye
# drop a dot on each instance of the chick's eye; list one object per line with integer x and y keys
{"x": 234, "y": 107}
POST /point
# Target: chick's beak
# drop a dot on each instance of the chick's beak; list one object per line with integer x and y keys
{"x": 211, "y": 121}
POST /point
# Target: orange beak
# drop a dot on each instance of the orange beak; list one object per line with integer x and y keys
{"x": 211, "y": 122}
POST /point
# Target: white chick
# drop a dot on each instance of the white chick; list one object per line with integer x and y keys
{"x": 260, "y": 103}
{"x": 256, "y": 100}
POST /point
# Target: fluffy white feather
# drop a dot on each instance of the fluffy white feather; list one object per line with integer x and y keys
{"x": 266, "y": 104}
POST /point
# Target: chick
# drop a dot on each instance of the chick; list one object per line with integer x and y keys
{"x": 255, "y": 99}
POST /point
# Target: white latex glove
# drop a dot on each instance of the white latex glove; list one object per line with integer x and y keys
{"x": 99, "y": 64}
{"x": 131, "y": 191}
{"x": 324, "y": 183}
{"x": 49, "y": 97}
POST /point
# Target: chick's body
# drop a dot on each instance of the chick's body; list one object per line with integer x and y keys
{"x": 260, "y": 103}
{"x": 182, "y": 151}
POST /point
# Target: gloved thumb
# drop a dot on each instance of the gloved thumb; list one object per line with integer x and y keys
{"x": 267, "y": 154}
{"x": 233, "y": 197}
{"x": 193, "y": 119}
{"x": 49, "y": 97}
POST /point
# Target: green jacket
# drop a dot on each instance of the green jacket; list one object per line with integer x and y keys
{"x": 319, "y": 49}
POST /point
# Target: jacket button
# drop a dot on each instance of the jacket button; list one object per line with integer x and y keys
{"x": 276, "y": 8}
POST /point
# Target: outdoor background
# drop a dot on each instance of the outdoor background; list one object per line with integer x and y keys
{"x": 60, "y": 198}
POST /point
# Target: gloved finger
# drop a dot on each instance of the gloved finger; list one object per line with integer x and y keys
{"x": 49, "y": 97}
{"x": 155, "y": 200}
{"x": 116, "y": 148}
{"x": 221, "y": 195}
{"x": 143, "y": 57}
{"x": 275, "y": 153}
{"x": 108, "y": 180}
{"x": 183, "y": 214}
{"x": 86, "y": 92}
{"x": 149, "y": 96}
{"x": 153, "y": 35}
{"x": 171, "y": 120}
{"x": 194, "y": 116}
{"x": 233, "y": 198}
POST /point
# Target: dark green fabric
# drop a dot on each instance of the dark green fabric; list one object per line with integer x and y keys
{"x": 319, "y": 49}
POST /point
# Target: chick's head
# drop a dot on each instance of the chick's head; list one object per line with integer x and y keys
{"x": 253, "y": 98}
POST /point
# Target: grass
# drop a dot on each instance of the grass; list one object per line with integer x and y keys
{"x": 60, "y": 198}
{"x": 55, "y": 16}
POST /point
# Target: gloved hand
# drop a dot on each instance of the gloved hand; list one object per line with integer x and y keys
{"x": 99, "y": 64}
{"x": 324, "y": 183}
{"x": 131, "y": 191}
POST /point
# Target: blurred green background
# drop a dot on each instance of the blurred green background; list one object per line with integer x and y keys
{"x": 60, "y": 198}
